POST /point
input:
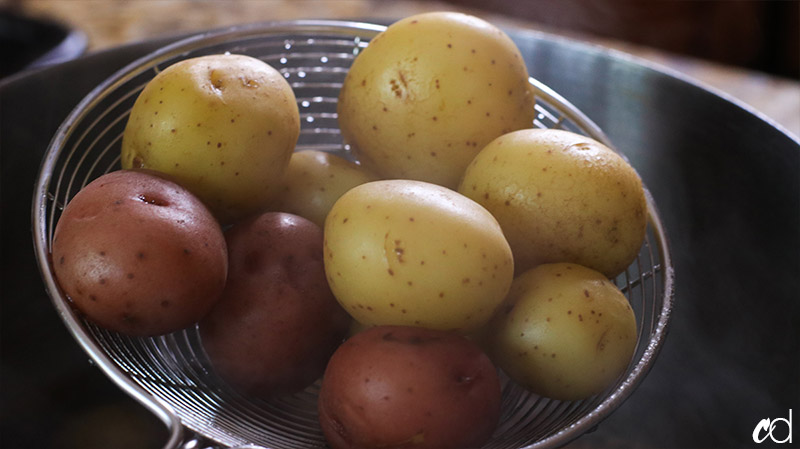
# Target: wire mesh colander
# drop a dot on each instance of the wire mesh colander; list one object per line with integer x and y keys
{"x": 171, "y": 375}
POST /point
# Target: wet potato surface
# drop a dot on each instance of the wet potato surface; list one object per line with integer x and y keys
{"x": 139, "y": 254}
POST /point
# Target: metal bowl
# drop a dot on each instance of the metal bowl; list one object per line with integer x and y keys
{"x": 172, "y": 376}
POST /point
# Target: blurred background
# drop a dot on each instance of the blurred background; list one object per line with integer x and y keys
{"x": 748, "y": 49}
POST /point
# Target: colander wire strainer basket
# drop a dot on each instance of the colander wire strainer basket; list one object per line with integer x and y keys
{"x": 171, "y": 375}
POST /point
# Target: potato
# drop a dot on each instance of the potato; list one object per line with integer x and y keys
{"x": 429, "y": 92}
{"x": 415, "y": 253}
{"x": 566, "y": 332}
{"x": 277, "y": 322}
{"x": 314, "y": 181}
{"x": 138, "y": 254}
{"x": 399, "y": 387}
{"x": 560, "y": 197}
{"x": 224, "y": 126}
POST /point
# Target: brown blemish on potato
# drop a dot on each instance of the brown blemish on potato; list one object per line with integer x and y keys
{"x": 601, "y": 342}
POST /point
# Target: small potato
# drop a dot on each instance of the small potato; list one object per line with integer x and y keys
{"x": 139, "y": 254}
{"x": 401, "y": 387}
{"x": 566, "y": 332}
{"x": 314, "y": 181}
{"x": 224, "y": 126}
{"x": 277, "y": 322}
{"x": 415, "y": 253}
{"x": 429, "y": 92}
{"x": 560, "y": 197}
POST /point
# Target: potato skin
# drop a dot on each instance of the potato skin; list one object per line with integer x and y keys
{"x": 429, "y": 92}
{"x": 566, "y": 331}
{"x": 314, "y": 181}
{"x": 413, "y": 253}
{"x": 560, "y": 197}
{"x": 403, "y": 387}
{"x": 277, "y": 322}
{"x": 139, "y": 255}
{"x": 224, "y": 126}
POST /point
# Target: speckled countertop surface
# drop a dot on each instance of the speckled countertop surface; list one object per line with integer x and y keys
{"x": 109, "y": 23}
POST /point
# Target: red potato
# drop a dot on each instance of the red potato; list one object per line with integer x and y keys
{"x": 402, "y": 387}
{"x": 138, "y": 254}
{"x": 277, "y": 322}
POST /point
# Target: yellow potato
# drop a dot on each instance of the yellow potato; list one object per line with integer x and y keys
{"x": 429, "y": 92}
{"x": 223, "y": 126}
{"x": 413, "y": 253}
{"x": 565, "y": 332}
{"x": 560, "y": 197}
{"x": 314, "y": 181}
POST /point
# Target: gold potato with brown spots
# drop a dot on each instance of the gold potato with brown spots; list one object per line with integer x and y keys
{"x": 565, "y": 332}
{"x": 413, "y": 253}
{"x": 561, "y": 197}
{"x": 429, "y": 92}
{"x": 314, "y": 181}
{"x": 224, "y": 126}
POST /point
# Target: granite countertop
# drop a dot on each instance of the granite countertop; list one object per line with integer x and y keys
{"x": 112, "y": 23}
